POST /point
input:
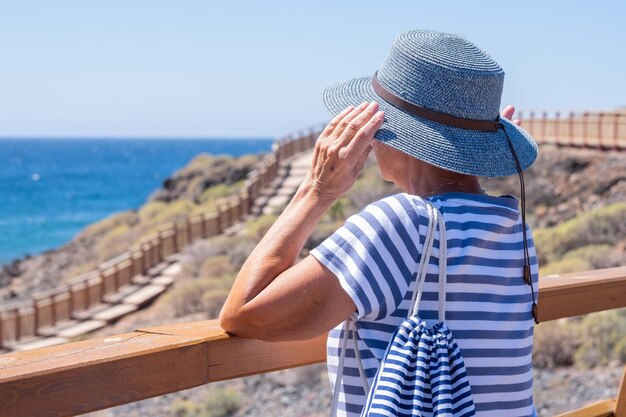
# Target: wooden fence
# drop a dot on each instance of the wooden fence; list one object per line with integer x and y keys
{"x": 90, "y": 375}
{"x": 595, "y": 130}
{"x": 39, "y": 316}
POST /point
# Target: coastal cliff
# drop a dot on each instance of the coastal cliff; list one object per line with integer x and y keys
{"x": 195, "y": 187}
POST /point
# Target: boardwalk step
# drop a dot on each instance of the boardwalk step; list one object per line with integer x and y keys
{"x": 40, "y": 343}
{"x": 117, "y": 297}
{"x": 140, "y": 279}
{"x": 158, "y": 269}
{"x": 52, "y": 330}
{"x": 112, "y": 314}
{"x": 82, "y": 328}
{"x": 172, "y": 270}
{"x": 89, "y": 313}
{"x": 175, "y": 257}
{"x": 145, "y": 295}
{"x": 278, "y": 201}
{"x": 165, "y": 280}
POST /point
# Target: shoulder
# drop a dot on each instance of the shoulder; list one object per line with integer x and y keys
{"x": 399, "y": 216}
{"x": 396, "y": 206}
{"x": 396, "y": 210}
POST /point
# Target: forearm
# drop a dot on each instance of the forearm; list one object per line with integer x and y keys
{"x": 263, "y": 293}
{"x": 279, "y": 248}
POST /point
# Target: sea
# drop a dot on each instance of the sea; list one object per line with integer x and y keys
{"x": 50, "y": 189}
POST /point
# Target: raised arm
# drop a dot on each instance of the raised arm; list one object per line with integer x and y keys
{"x": 275, "y": 298}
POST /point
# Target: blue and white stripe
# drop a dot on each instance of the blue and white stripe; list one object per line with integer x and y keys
{"x": 375, "y": 255}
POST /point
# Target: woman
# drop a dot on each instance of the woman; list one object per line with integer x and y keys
{"x": 431, "y": 115}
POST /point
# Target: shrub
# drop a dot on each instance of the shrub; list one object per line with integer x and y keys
{"x": 555, "y": 344}
{"x": 156, "y": 213}
{"x": 183, "y": 408}
{"x": 338, "y": 209}
{"x": 213, "y": 300}
{"x": 186, "y": 297}
{"x": 321, "y": 232}
{"x": 127, "y": 218}
{"x": 603, "y": 335}
{"x": 605, "y": 225}
{"x": 257, "y": 228}
{"x": 216, "y": 266}
{"x": 221, "y": 403}
{"x": 564, "y": 266}
{"x": 197, "y": 254}
{"x": 584, "y": 259}
{"x": 238, "y": 248}
{"x": 218, "y": 191}
{"x": 369, "y": 187}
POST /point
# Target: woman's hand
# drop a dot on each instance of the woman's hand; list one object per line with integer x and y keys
{"x": 341, "y": 151}
{"x": 507, "y": 113}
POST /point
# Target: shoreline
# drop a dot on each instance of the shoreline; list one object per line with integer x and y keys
{"x": 59, "y": 186}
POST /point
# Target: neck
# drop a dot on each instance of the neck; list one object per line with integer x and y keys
{"x": 426, "y": 180}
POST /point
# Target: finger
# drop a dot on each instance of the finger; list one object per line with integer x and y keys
{"x": 333, "y": 123}
{"x": 365, "y": 135}
{"x": 362, "y": 159}
{"x": 357, "y": 123}
{"x": 508, "y": 111}
{"x": 345, "y": 121}
{"x": 517, "y": 122}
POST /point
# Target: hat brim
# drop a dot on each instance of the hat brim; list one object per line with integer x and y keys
{"x": 465, "y": 151}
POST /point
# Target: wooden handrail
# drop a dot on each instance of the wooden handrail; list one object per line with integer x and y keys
{"x": 581, "y": 293}
{"x": 22, "y": 320}
{"x": 104, "y": 372}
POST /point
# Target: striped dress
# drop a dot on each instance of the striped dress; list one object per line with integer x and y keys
{"x": 375, "y": 255}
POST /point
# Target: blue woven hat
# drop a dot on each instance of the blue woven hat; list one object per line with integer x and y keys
{"x": 441, "y": 97}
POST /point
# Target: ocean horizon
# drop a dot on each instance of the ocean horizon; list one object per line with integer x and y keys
{"x": 52, "y": 187}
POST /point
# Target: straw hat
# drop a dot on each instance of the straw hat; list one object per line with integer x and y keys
{"x": 441, "y": 97}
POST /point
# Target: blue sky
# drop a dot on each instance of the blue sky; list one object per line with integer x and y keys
{"x": 257, "y": 69}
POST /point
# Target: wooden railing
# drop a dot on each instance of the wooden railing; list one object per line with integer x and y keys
{"x": 38, "y": 316}
{"x": 90, "y": 375}
{"x": 595, "y": 130}
{"x": 75, "y": 378}
{"x": 22, "y": 320}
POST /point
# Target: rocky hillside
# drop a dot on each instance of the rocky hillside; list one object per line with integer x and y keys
{"x": 197, "y": 186}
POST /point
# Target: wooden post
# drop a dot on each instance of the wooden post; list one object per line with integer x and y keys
{"x": 615, "y": 131}
{"x": 117, "y": 282}
{"x": 531, "y": 123}
{"x": 88, "y": 297}
{"x": 557, "y": 127}
{"x": 620, "y": 406}
{"x": 70, "y": 302}
{"x": 158, "y": 248}
{"x": 36, "y": 313}
{"x": 102, "y": 286}
{"x": 570, "y": 125}
{"x": 189, "y": 230}
{"x": 600, "y": 120}
{"x": 585, "y": 121}
{"x": 18, "y": 324}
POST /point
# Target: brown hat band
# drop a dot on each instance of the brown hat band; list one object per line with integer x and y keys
{"x": 446, "y": 119}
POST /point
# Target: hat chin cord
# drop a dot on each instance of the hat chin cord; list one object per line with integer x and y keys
{"x": 526, "y": 271}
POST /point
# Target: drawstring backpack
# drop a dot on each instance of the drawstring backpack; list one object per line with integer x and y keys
{"x": 422, "y": 372}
